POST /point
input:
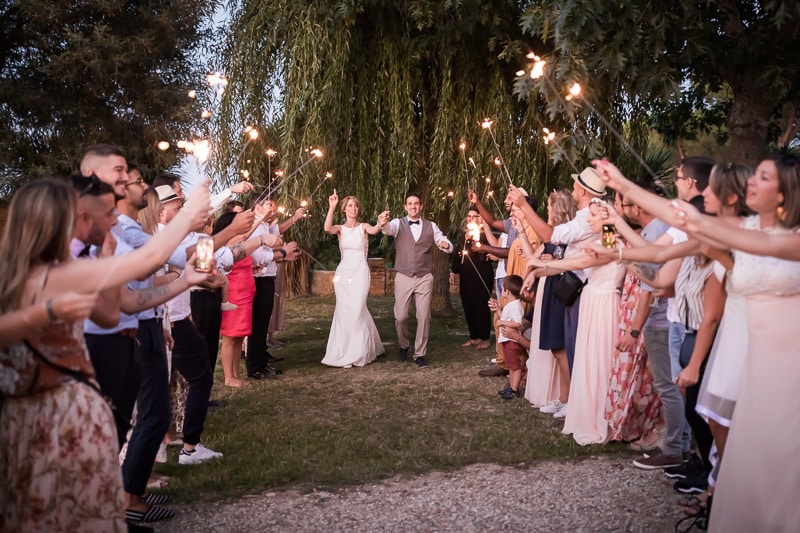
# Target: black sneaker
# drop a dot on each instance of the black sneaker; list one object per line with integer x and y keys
{"x": 687, "y": 469}
{"x": 402, "y": 353}
{"x": 421, "y": 362}
{"x": 510, "y": 394}
{"x": 696, "y": 484}
{"x": 504, "y": 391}
{"x": 272, "y": 359}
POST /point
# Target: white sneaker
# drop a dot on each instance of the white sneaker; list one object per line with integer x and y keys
{"x": 561, "y": 413}
{"x": 552, "y": 407}
{"x": 161, "y": 456}
{"x": 201, "y": 454}
{"x": 227, "y": 306}
{"x": 494, "y": 360}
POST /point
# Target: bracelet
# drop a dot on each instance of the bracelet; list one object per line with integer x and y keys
{"x": 51, "y": 314}
{"x": 620, "y": 255}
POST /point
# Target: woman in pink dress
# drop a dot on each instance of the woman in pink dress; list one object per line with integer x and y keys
{"x": 237, "y": 323}
{"x": 595, "y": 339}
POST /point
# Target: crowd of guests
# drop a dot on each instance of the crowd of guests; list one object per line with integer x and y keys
{"x": 665, "y": 323}
{"x": 102, "y": 301}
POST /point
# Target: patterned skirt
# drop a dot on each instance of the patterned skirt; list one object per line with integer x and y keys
{"x": 58, "y": 463}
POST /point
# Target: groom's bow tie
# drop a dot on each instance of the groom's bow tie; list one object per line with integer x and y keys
{"x": 412, "y": 222}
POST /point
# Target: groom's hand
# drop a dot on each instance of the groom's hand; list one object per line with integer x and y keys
{"x": 444, "y": 245}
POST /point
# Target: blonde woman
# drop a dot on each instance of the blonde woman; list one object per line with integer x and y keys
{"x": 353, "y": 339}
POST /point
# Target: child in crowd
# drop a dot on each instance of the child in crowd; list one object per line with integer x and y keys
{"x": 511, "y": 317}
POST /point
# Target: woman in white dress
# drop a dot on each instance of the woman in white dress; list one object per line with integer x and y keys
{"x": 354, "y": 339}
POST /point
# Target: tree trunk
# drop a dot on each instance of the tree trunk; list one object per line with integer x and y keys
{"x": 748, "y": 123}
{"x": 440, "y": 301}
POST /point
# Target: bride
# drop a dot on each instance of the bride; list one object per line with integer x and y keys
{"x": 354, "y": 339}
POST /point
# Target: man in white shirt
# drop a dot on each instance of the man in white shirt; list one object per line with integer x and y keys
{"x": 414, "y": 240}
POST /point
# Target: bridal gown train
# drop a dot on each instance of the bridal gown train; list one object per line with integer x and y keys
{"x": 354, "y": 339}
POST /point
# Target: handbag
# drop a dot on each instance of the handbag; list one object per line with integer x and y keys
{"x": 123, "y": 424}
{"x": 567, "y": 288}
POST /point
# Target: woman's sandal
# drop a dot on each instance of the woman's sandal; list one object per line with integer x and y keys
{"x": 153, "y": 514}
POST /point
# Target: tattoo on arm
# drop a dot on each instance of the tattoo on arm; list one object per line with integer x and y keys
{"x": 238, "y": 252}
{"x": 645, "y": 272}
{"x": 145, "y": 296}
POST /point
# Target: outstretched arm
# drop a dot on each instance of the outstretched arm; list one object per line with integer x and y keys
{"x": 485, "y": 214}
{"x": 781, "y": 245}
{"x": 92, "y": 276}
{"x": 374, "y": 230}
{"x": 540, "y": 226}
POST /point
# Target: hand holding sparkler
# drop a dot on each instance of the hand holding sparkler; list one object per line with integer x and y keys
{"x": 242, "y": 187}
{"x": 611, "y": 175}
{"x": 333, "y": 199}
{"x": 516, "y": 196}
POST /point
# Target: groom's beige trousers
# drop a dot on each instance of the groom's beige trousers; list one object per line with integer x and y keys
{"x": 421, "y": 289}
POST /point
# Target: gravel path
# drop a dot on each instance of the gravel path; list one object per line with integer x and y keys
{"x": 597, "y": 494}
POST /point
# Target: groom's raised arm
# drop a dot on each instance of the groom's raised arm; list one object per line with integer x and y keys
{"x": 391, "y": 228}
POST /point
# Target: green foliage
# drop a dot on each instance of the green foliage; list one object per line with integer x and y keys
{"x": 388, "y": 90}
{"x": 77, "y": 73}
{"x": 673, "y": 58}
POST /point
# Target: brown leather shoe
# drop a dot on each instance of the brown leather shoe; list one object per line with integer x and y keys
{"x": 493, "y": 371}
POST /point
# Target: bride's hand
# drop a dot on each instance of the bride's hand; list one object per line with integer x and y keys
{"x": 333, "y": 199}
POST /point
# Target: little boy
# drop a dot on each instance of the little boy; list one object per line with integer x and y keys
{"x": 511, "y": 317}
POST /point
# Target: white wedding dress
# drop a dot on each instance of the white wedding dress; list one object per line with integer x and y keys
{"x": 354, "y": 339}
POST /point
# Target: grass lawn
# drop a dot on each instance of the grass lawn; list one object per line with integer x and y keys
{"x": 319, "y": 426}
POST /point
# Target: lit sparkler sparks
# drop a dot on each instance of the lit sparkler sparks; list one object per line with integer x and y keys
{"x": 487, "y": 125}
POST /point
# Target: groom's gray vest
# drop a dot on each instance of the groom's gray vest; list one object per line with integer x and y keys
{"x": 414, "y": 258}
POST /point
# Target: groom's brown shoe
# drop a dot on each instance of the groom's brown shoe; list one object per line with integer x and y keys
{"x": 493, "y": 372}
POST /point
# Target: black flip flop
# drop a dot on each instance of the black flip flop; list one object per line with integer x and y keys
{"x": 153, "y": 514}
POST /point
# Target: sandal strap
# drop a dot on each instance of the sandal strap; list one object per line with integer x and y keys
{"x": 153, "y": 514}
{"x": 152, "y": 498}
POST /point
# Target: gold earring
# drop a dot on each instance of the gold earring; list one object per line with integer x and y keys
{"x": 781, "y": 212}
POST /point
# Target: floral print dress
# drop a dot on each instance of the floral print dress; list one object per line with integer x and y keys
{"x": 632, "y": 405}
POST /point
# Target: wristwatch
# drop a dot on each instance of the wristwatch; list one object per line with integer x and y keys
{"x": 635, "y": 333}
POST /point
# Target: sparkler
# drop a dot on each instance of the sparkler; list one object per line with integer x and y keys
{"x": 325, "y": 177}
{"x": 463, "y": 148}
{"x": 487, "y": 125}
{"x": 315, "y": 153}
{"x": 574, "y": 92}
{"x": 473, "y": 234}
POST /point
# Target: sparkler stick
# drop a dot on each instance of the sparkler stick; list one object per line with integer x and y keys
{"x": 315, "y": 153}
{"x": 463, "y": 148}
{"x": 325, "y": 177}
{"x": 474, "y": 234}
{"x": 576, "y": 91}
{"x": 487, "y": 125}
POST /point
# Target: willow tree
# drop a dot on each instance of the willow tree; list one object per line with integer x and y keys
{"x": 388, "y": 90}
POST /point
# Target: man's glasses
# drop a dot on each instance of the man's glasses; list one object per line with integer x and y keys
{"x": 139, "y": 182}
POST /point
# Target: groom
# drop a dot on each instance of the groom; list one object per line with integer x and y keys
{"x": 414, "y": 240}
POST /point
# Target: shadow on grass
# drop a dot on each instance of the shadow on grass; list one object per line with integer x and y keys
{"x": 319, "y": 426}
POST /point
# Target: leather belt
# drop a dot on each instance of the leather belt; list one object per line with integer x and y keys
{"x": 127, "y": 332}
